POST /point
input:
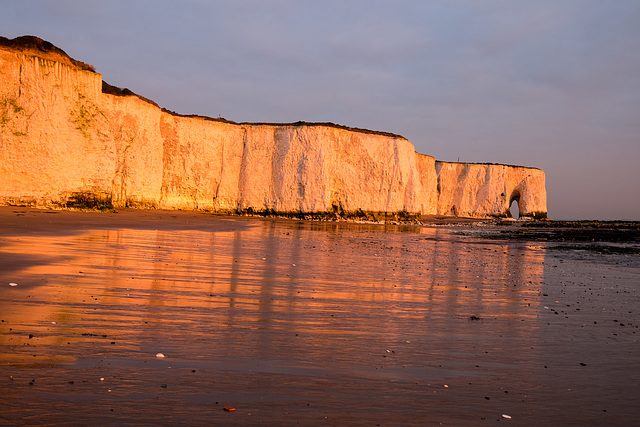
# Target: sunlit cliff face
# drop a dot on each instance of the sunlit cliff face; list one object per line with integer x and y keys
{"x": 129, "y": 152}
{"x": 193, "y": 294}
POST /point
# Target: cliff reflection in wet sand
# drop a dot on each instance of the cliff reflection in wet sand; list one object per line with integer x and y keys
{"x": 288, "y": 322}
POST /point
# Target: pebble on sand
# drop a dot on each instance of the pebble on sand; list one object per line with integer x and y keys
{"x": 160, "y": 355}
{"x": 13, "y": 284}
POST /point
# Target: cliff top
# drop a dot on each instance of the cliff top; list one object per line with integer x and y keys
{"x": 43, "y": 49}
{"x": 294, "y": 124}
{"x": 47, "y": 50}
{"x": 488, "y": 164}
{"x": 114, "y": 90}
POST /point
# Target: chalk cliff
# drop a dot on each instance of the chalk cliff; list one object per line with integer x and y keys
{"x": 466, "y": 189}
{"x": 64, "y": 137}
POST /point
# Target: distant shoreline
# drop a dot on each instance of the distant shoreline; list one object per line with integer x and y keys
{"x": 14, "y": 219}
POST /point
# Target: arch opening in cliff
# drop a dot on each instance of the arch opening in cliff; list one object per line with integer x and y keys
{"x": 514, "y": 210}
{"x": 514, "y": 205}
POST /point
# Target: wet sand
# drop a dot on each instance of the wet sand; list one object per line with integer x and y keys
{"x": 309, "y": 323}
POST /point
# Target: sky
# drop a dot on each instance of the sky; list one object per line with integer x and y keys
{"x": 552, "y": 84}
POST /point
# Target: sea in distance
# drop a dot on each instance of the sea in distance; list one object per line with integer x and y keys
{"x": 187, "y": 318}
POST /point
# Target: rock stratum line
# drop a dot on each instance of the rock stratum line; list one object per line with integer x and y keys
{"x": 68, "y": 138}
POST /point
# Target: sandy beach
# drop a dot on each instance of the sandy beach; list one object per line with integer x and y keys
{"x": 167, "y": 318}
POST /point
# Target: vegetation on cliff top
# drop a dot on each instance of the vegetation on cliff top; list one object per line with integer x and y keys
{"x": 43, "y": 47}
{"x": 298, "y": 123}
{"x": 117, "y": 91}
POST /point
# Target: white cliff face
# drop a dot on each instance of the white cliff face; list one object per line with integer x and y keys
{"x": 60, "y": 137}
{"x": 488, "y": 190}
{"x": 133, "y": 126}
{"x": 50, "y": 138}
{"x": 201, "y": 163}
{"x": 314, "y": 168}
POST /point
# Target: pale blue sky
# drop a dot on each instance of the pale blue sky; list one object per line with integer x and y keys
{"x": 553, "y": 84}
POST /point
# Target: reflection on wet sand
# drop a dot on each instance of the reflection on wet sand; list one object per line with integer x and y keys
{"x": 137, "y": 286}
{"x": 324, "y": 322}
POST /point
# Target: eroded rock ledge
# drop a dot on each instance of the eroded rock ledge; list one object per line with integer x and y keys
{"x": 67, "y": 138}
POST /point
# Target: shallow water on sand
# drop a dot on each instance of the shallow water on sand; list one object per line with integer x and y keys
{"x": 312, "y": 323}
